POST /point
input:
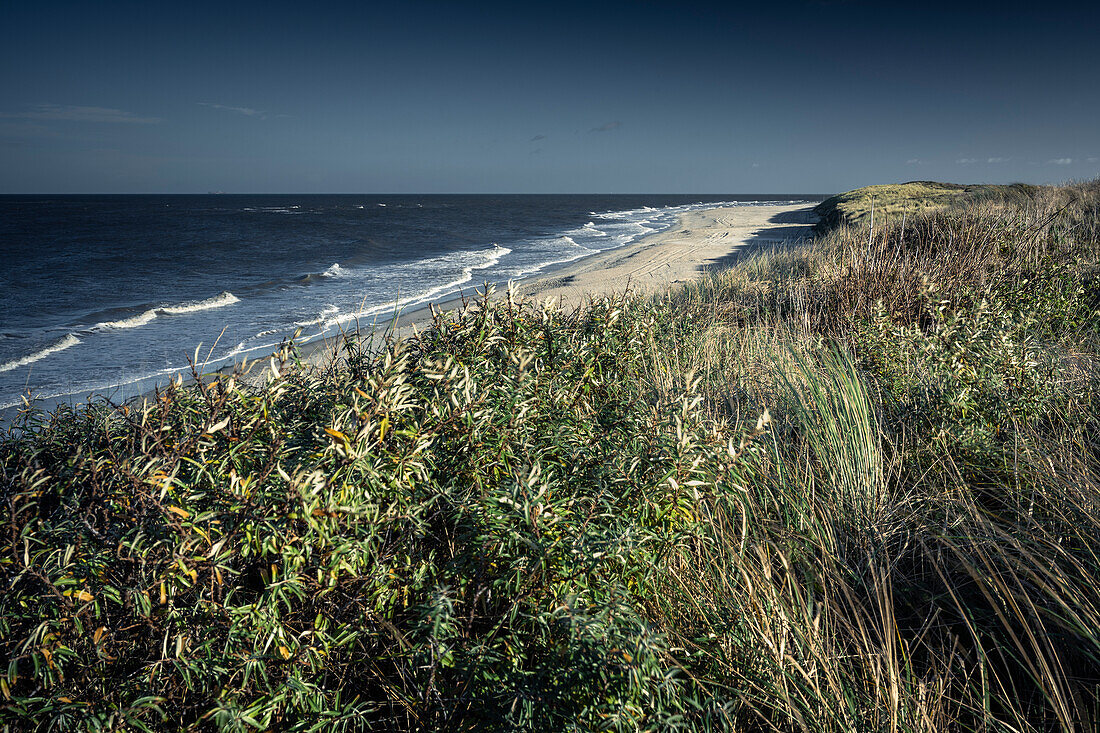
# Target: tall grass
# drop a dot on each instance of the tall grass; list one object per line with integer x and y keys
{"x": 965, "y": 597}
{"x": 848, "y": 486}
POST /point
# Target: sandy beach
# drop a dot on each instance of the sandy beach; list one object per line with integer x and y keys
{"x": 701, "y": 240}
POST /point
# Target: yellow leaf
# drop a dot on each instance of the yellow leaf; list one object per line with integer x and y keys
{"x": 336, "y": 434}
{"x": 177, "y": 510}
{"x": 98, "y": 635}
{"x": 216, "y": 427}
{"x": 80, "y": 595}
{"x": 284, "y": 652}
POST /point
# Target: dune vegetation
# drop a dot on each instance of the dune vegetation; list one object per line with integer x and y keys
{"x": 902, "y": 200}
{"x": 848, "y": 486}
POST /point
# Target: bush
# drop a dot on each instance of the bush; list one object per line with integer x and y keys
{"x": 462, "y": 529}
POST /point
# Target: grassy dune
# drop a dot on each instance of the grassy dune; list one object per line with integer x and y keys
{"x": 849, "y": 486}
{"x": 902, "y": 200}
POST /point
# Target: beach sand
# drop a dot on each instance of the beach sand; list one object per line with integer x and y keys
{"x": 701, "y": 240}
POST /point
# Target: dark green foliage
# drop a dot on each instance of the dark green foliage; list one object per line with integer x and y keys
{"x": 461, "y": 530}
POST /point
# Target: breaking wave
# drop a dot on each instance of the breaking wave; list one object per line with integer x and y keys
{"x": 468, "y": 262}
{"x": 53, "y": 348}
{"x": 218, "y": 301}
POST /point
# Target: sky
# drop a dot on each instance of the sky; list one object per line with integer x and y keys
{"x": 528, "y": 97}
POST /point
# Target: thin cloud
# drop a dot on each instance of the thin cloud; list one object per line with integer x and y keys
{"x": 1060, "y": 161}
{"x": 76, "y": 113}
{"x": 966, "y": 161}
{"x": 1093, "y": 160}
{"x": 29, "y": 129}
{"x": 246, "y": 111}
{"x": 536, "y": 138}
{"x": 608, "y": 127}
{"x": 913, "y": 161}
{"x": 997, "y": 160}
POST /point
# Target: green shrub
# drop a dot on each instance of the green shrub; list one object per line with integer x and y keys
{"x": 462, "y": 529}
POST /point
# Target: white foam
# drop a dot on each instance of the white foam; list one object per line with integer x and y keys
{"x": 218, "y": 301}
{"x": 588, "y": 230}
{"x": 334, "y": 271}
{"x": 53, "y": 348}
{"x": 274, "y": 209}
{"x": 133, "y": 322}
{"x": 578, "y": 251}
{"x": 492, "y": 257}
{"x": 485, "y": 259}
{"x": 249, "y": 344}
{"x": 222, "y": 299}
{"x": 328, "y": 310}
{"x": 632, "y": 213}
{"x": 244, "y": 347}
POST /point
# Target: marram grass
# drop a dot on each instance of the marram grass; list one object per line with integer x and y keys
{"x": 848, "y": 486}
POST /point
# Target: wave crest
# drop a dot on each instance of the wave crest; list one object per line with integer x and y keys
{"x": 220, "y": 300}
{"x": 133, "y": 322}
{"x": 588, "y": 230}
{"x": 53, "y": 348}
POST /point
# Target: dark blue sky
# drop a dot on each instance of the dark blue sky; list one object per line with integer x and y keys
{"x": 556, "y": 97}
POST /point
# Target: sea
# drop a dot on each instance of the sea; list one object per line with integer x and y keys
{"x": 112, "y": 296}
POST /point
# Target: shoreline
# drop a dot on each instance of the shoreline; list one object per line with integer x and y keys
{"x": 700, "y": 240}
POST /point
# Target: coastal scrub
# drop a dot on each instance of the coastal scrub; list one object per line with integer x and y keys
{"x": 850, "y": 485}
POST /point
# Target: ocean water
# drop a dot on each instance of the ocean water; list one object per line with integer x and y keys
{"x": 110, "y": 295}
